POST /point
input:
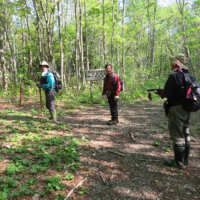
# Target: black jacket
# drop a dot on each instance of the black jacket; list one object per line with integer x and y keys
{"x": 173, "y": 90}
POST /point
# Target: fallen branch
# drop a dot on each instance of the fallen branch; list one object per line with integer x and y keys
{"x": 103, "y": 179}
{"x": 71, "y": 191}
{"x": 69, "y": 166}
{"x": 132, "y": 137}
{"x": 136, "y": 165}
{"x": 120, "y": 154}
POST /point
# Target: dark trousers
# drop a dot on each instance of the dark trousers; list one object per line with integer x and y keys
{"x": 113, "y": 106}
{"x": 50, "y": 96}
{"x": 178, "y": 124}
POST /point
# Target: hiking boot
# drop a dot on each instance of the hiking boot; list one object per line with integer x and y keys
{"x": 51, "y": 117}
{"x": 114, "y": 122}
{"x": 179, "y": 153}
{"x": 54, "y": 116}
{"x": 187, "y": 152}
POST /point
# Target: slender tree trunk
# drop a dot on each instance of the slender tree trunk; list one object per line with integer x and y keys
{"x": 118, "y": 65}
{"x": 86, "y": 38}
{"x": 104, "y": 35}
{"x": 4, "y": 22}
{"x": 2, "y": 61}
{"x": 61, "y": 43}
{"x": 81, "y": 46}
{"x": 113, "y": 23}
{"x": 152, "y": 33}
{"x": 123, "y": 51}
{"x": 77, "y": 43}
{"x": 23, "y": 42}
{"x": 30, "y": 66}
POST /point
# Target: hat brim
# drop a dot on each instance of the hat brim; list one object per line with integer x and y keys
{"x": 44, "y": 65}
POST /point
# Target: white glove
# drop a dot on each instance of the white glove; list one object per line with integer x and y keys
{"x": 116, "y": 98}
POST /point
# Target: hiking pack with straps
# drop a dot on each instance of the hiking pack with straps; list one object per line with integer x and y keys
{"x": 114, "y": 82}
{"x": 191, "y": 101}
{"x": 58, "y": 83}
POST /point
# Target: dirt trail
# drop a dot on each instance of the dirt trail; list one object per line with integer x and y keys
{"x": 137, "y": 172}
{"x": 140, "y": 173}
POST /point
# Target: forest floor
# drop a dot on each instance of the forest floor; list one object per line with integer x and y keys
{"x": 28, "y": 144}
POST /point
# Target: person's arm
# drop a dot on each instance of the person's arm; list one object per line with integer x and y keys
{"x": 170, "y": 86}
{"x": 118, "y": 85}
{"x": 50, "y": 82}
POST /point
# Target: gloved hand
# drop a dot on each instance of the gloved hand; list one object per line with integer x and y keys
{"x": 39, "y": 85}
{"x": 116, "y": 98}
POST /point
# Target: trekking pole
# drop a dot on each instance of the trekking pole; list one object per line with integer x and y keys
{"x": 41, "y": 101}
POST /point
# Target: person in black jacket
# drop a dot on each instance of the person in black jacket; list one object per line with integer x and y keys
{"x": 179, "y": 118}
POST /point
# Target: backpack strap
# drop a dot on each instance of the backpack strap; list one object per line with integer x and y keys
{"x": 47, "y": 73}
{"x": 113, "y": 80}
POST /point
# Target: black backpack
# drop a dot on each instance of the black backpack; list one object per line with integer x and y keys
{"x": 58, "y": 83}
{"x": 191, "y": 101}
{"x": 114, "y": 82}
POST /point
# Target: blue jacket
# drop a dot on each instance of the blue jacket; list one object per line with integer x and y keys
{"x": 50, "y": 81}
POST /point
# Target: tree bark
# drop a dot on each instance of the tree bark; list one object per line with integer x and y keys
{"x": 81, "y": 46}
{"x": 2, "y": 61}
{"x": 86, "y": 38}
{"x": 77, "y": 43}
{"x": 61, "y": 42}
{"x": 123, "y": 51}
{"x": 113, "y": 34}
{"x": 104, "y": 36}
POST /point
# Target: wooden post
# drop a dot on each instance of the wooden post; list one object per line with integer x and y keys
{"x": 41, "y": 101}
{"x": 91, "y": 90}
{"x": 21, "y": 94}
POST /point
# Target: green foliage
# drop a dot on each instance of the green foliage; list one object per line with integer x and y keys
{"x": 156, "y": 144}
{"x": 166, "y": 149}
{"x": 69, "y": 176}
{"x": 53, "y": 183}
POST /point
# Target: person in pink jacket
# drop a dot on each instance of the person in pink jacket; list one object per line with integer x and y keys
{"x": 111, "y": 89}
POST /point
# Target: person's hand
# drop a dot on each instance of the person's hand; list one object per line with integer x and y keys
{"x": 116, "y": 98}
{"x": 39, "y": 85}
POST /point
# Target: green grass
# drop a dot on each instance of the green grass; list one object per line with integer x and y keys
{"x": 34, "y": 150}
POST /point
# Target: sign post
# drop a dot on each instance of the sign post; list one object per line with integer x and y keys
{"x": 94, "y": 75}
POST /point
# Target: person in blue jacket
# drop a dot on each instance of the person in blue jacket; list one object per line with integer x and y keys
{"x": 47, "y": 83}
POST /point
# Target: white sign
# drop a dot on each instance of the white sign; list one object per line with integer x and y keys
{"x": 95, "y": 74}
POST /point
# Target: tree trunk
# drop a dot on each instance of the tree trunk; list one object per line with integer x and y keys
{"x": 104, "y": 37}
{"x": 113, "y": 23}
{"x": 118, "y": 65}
{"x": 123, "y": 51}
{"x": 86, "y": 39}
{"x": 2, "y": 62}
{"x": 77, "y": 43}
{"x": 30, "y": 65}
{"x": 81, "y": 46}
{"x": 61, "y": 42}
